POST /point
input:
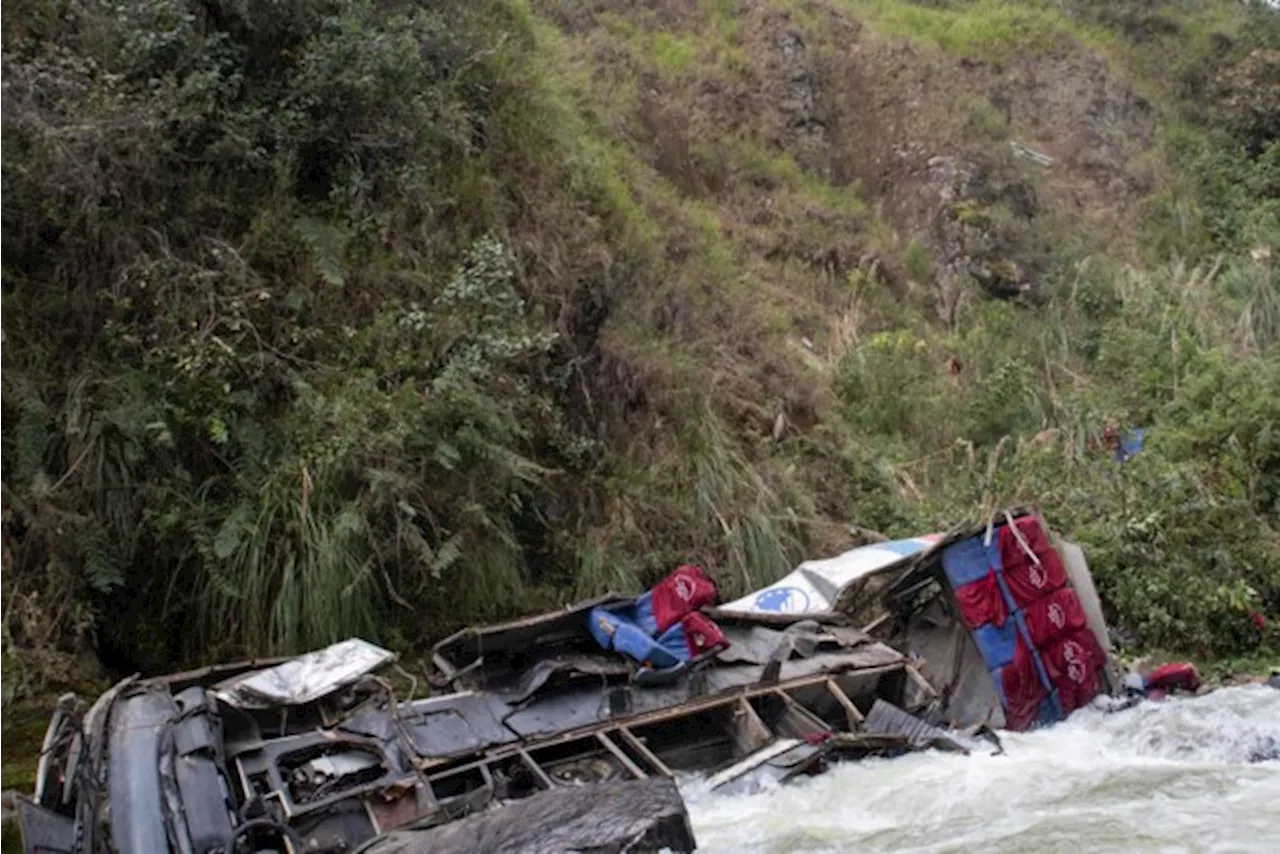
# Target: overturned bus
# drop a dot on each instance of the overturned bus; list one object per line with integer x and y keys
{"x": 574, "y": 730}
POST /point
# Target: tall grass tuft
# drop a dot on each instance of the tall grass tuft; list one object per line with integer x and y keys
{"x": 290, "y": 567}
{"x": 759, "y": 529}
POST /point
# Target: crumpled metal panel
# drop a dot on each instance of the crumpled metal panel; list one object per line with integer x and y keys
{"x": 135, "y": 789}
{"x": 887, "y": 719}
{"x": 594, "y": 665}
{"x": 631, "y": 815}
{"x": 306, "y": 678}
{"x": 587, "y": 705}
{"x": 43, "y": 829}
{"x": 455, "y": 724}
{"x": 205, "y": 810}
{"x": 463, "y": 648}
{"x": 561, "y": 712}
{"x": 756, "y": 644}
{"x": 862, "y": 657}
{"x": 948, "y": 659}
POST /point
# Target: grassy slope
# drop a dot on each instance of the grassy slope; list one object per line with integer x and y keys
{"x": 837, "y": 229}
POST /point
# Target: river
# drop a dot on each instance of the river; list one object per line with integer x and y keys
{"x": 1174, "y": 776}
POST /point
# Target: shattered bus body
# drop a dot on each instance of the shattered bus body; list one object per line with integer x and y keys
{"x": 568, "y": 731}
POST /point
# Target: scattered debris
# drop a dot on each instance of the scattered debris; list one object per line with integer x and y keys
{"x": 304, "y": 679}
{"x": 1030, "y": 154}
{"x": 888, "y": 719}
{"x": 1165, "y": 679}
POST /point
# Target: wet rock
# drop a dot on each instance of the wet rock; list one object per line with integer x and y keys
{"x": 1265, "y": 750}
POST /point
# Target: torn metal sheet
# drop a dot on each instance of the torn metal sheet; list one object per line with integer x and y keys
{"x": 497, "y": 650}
{"x": 595, "y": 666}
{"x": 887, "y": 719}
{"x": 756, "y": 644}
{"x": 632, "y": 815}
{"x": 306, "y": 678}
{"x": 42, "y": 829}
{"x": 815, "y": 585}
{"x": 941, "y": 649}
{"x": 867, "y": 656}
{"x": 750, "y": 763}
{"x": 455, "y": 724}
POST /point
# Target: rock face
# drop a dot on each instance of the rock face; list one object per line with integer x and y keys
{"x": 631, "y": 817}
{"x": 966, "y": 238}
{"x": 800, "y": 101}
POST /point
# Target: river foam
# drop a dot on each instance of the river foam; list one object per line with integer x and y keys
{"x": 1182, "y": 775}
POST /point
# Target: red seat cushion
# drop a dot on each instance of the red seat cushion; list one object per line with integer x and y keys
{"x": 702, "y": 635}
{"x": 1030, "y": 578}
{"x": 1178, "y": 675}
{"x": 1073, "y": 664}
{"x": 1055, "y": 616}
{"x": 682, "y": 592}
{"x": 981, "y": 602}
{"x": 1023, "y": 690}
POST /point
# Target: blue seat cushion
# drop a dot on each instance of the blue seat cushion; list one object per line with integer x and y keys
{"x": 997, "y": 644}
{"x": 614, "y": 630}
{"x": 968, "y": 560}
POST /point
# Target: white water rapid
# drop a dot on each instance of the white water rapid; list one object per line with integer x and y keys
{"x": 1184, "y": 775}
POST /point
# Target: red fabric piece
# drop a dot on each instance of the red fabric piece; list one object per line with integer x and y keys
{"x": 1078, "y": 695}
{"x": 1011, "y": 551}
{"x": 981, "y": 602}
{"x": 1053, "y": 617}
{"x": 1073, "y": 664}
{"x": 1029, "y": 580}
{"x": 1178, "y": 676}
{"x": 682, "y": 592}
{"x": 1023, "y": 690}
{"x": 701, "y": 635}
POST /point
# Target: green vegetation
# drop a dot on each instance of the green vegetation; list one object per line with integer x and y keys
{"x": 327, "y": 318}
{"x": 249, "y": 397}
{"x": 1179, "y": 538}
{"x": 991, "y": 29}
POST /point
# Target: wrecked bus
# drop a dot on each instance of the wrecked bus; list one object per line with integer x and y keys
{"x": 573, "y": 730}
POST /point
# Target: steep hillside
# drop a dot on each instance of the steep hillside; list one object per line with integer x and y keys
{"x": 328, "y": 317}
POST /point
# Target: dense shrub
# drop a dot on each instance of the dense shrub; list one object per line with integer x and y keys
{"x": 1183, "y": 539}
{"x": 250, "y": 398}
